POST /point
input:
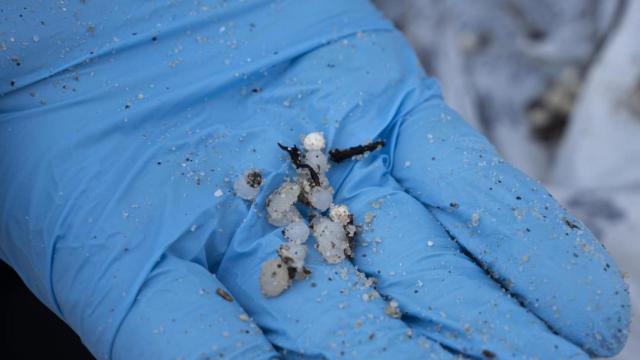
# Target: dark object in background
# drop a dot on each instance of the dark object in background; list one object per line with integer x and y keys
{"x": 28, "y": 330}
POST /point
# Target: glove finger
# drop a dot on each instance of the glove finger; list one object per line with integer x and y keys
{"x": 513, "y": 227}
{"x": 442, "y": 293}
{"x": 323, "y": 316}
{"x": 183, "y": 312}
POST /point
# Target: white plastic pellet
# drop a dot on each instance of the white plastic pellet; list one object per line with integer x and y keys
{"x": 297, "y": 232}
{"x": 331, "y": 239}
{"x": 280, "y": 209}
{"x": 314, "y": 141}
{"x": 274, "y": 278}
{"x": 318, "y": 160}
{"x": 320, "y": 198}
{"x": 247, "y": 186}
{"x": 293, "y": 254}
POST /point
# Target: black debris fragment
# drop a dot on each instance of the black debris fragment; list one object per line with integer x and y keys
{"x": 570, "y": 224}
{"x": 340, "y": 155}
{"x": 296, "y": 159}
{"x": 488, "y": 354}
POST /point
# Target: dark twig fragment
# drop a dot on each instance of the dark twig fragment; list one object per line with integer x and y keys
{"x": 340, "y": 155}
{"x": 296, "y": 159}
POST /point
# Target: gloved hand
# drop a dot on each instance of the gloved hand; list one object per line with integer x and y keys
{"x": 120, "y": 120}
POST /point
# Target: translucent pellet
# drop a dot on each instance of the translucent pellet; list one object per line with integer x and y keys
{"x": 331, "y": 239}
{"x": 296, "y": 232}
{"x": 247, "y": 186}
{"x": 318, "y": 160}
{"x": 293, "y": 255}
{"x": 285, "y": 217}
{"x": 320, "y": 198}
{"x": 280, "y": 209}
{"x": 307, "y": 185}
{"x": 314, "y": 141}
{"x": 274, "y": 278}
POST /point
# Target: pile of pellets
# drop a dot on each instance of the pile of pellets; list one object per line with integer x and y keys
{"x": 331, "y": 224}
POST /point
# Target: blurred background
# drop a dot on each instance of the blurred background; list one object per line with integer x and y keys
{"x": 554, "y": 84}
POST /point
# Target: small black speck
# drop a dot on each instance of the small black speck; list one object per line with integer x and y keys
{"x": 454, "y": 205}
{"x": 518, "y": 197}
{"x": 154, "y": 39}
{"x": 488, "y": 354}
{"x": 13, "y": 83}
{"x": 256, "y": 90}
{"x": 159, "y": 163}
{"x": 127, "y": 106}
{"x": 570, "y": 224}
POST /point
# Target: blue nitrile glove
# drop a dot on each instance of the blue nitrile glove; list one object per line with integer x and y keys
{"x": 121, "y": 120}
